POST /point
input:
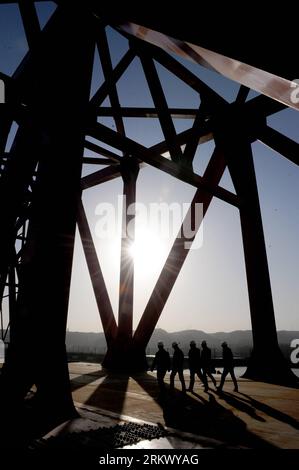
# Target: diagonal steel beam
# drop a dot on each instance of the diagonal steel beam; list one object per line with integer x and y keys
{"x": 263, "y": 106}
{"x": 282, "y": 144}
{"x": 242, "y": 94}
{"x": 101, "y": 176}
{"x": 139, "y": 151}
{"x": 203, "y": 134}
{"x": 101, "y": 151}
{"x": 97, "y": 161}
{"x": 30, "y": 21}
{"x": 160, "y": 102}
{"x": 178, "y": 254}
{"x": 193, "y": 141}
{"x": 96, "y": 276}
{"x": 175, "y": 67}
{"x": 106, "y": 62}
{"x": 108, "y": 85}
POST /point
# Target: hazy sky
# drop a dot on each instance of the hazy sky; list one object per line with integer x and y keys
{"x": 211, "y": 292}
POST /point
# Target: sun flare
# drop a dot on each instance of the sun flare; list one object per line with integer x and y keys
{"x": 147, "y": 250}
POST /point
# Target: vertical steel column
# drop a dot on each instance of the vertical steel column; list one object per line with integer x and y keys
{"x": 57, "y": 101}
{"x": 121, "y": 355}
{"x": 129, "y": 172}
{"x": 267, "y": 362}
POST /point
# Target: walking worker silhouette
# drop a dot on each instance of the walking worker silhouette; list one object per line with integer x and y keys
{"x": 195, "y": 366}
{"x": 228, "y": 367}
{"x": 177, "y": 366}
{"x": 206, "y": 364}
{"x": 162, "y": 363}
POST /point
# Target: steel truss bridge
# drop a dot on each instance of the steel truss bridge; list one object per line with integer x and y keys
{"x": 48, "y": 97}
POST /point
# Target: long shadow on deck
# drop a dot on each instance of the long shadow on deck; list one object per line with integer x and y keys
{"x": 202, "y": 415}
{"x": 268, "y": 410}
{"x": 111, "y": 393}
{"x": 86, "y": 379}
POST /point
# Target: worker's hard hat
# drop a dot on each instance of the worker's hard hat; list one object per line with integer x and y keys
{"x": 174, "y": 344}
{"x": 224, "y": 344}
{"x": 160, "y": 343}
{"x": 192, "y": 343}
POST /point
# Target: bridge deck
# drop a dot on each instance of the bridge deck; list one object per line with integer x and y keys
{"x": 259, "y": 416}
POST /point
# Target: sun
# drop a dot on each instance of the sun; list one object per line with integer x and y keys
{"x": 148, "y": 250}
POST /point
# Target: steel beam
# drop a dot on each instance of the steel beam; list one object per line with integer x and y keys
{"x": 129, "y": 172}
{"x": 109, "y": 84}
{"x": 184, "y": 174}
{"x": 215, "y": 100}
{"x": 13, "y": 189}
{"x": 30, "y": 21}
{"x": 133, "y": 112}
{"x": 97, "y": 278}
{"x": 263, "y": 106}
{"x": 242, "y": 63}
{"x": 101, "y": 176}
{"x": 110, "y": 173}
{"x": 106, "y": 62}
{"x": 101, "y": 151}
{"x": 97, "y": 161}
{"x": 121, "y": 354}
{"x": 58, "y": 106}
{"x": 177, "y": 254}
{"x": 280, "y": 143}
{"x": 56, "y": 140}
{"x": 192, "y": 144}
{"x": 242, "y": 94}
{"x": 231, "y": 137}
{"x": 160, "y": 102}
{"x": 204, "y": 134}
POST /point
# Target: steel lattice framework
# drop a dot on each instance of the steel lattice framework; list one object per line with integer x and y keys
{"x": 41, "y": 186}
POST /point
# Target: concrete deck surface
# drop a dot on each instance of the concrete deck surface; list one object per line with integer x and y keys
{"x": 259, "y": 416}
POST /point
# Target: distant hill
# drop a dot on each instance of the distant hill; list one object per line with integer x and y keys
{"x": 240, "y": 340}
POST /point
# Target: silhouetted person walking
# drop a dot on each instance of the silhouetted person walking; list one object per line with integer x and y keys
{"x": 177, "y": 366}
{"x": 228, "y": 367}
{"x": 162, "y": 363}
{"x": 206, "y": 363}
{"x": 195, "y": 366}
